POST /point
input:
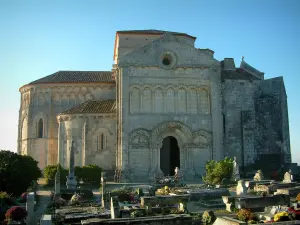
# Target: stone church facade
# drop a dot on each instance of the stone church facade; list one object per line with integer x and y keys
{"x": 165, "y": 103}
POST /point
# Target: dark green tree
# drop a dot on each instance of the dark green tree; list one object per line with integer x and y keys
{"x": 17, "y": 172}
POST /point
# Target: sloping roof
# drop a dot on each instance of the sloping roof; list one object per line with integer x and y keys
{"x": 151, "y": 31}
{"x": 76, "y": 77}
{"x": 92, "y": 106}
{"x": 251, "y": 70}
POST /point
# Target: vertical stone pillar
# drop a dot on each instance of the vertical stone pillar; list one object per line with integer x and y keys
{"x": 84, "y": 144}
{"x": 60, "y": 158}
{"x": 30, "y": 220}
{"x": 103, "y": 183}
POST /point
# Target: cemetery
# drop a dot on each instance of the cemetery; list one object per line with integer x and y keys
{"x": 170, "y": 200}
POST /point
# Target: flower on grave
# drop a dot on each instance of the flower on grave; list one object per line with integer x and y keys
{"x": 282, "y": 216}
{"x": 298, "y": 197}
{"x": 245, "y": 215}
{"x": 16, "y": 213}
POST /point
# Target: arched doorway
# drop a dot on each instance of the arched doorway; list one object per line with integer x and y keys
{"x": 169, "y": 156}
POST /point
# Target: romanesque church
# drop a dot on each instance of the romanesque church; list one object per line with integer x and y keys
{"x": 164, "y": 104}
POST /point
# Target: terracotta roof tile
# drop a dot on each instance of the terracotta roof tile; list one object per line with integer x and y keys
{"x": 92, "y": 106}
{"x": 76, "y": 77}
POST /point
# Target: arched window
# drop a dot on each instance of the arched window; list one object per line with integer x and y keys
{"x": 101, "y": 142}
{"x": 40, "y": 129}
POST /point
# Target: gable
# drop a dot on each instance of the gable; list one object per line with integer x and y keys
{"x": 182, "y": 54}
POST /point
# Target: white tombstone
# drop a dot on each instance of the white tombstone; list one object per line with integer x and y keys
{"x": 258, "y": 176}
{"x": 288, "y": 178}
{"x": 241, "y": 189}
{"x": 46, "y": 220}
{"x": 30, "y": 219}
{"x": 235, "y": 170}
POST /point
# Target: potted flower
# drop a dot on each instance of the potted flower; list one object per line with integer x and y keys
{"x": 16, "y": 214}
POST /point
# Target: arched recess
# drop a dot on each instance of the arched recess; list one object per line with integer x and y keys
{"x": 159, "y": 100}
{"x": 139, "y": 153}
{"x": 39, "y": 121}
{"x": 192, "y": 101}
{"x": 170, "y": 100}
{"x": 40, "y": 128}
{"x": 146, "y": 100}
{"x": 24, "y": 128}
{"x": 203, "y": 101}
{"x": 134, "y": 100}
{"x": 181, "y": 98}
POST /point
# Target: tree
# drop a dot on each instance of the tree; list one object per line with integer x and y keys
{"x": 50, "y": 171}
{"x": 216, "y": 171}
{"x": 17, "y": 172}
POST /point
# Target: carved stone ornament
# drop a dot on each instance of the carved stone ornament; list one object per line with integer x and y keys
{"x": 139, "y": 138}
{"x": 176, "y": 127}
{"x": 203, "y": 133}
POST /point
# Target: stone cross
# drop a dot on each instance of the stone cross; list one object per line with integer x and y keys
{"x": 30, "y": 219}
{"x": 235, "y": 171}
{"x": 57, "y": 182}
{"x": 71, "y": 179}
{"x": 103, "y": 182}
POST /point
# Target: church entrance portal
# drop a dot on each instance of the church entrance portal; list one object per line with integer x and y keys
{"x": 169, "y": 156}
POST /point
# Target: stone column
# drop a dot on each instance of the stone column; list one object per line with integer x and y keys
{"x": 85, "y": 131}
{"x": 60, "y": 158}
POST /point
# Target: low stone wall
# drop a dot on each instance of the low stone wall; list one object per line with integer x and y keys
{"x": 153, "y": 220}
{"x": 230, "y": 221}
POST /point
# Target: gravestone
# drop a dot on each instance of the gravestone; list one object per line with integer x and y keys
{"x": 114, "y": 208}
{"x": 235, "y": 171}
{"x": 30, "y": 219}
{"x": 46, "y": 220}
{"x": 241, "y": 189}
{"x": 288, "y": 177}
{"x": 71, "y": 179}
{"x": 258, "y": 176}
{"x": 57, "y": 182}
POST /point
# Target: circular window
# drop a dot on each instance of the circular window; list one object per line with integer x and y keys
{"x": 166, "y": 60}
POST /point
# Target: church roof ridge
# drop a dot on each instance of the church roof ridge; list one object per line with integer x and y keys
{"x": 67, "y": 76}
{"x": 153, "y": 32}
{"x": 93, "y": 106}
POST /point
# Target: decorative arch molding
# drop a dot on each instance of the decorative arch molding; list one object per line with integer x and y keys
{"x": 139, "y": 138}
{"x": 177, "y": 129}
{"x": 202, "y": 139}
{"x": 24, "y": 127}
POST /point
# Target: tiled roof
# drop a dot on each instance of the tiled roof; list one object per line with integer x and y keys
{"x": 152, "y": 32}
{"x": 92, "y": 106}
{"x": 76, "y": 77}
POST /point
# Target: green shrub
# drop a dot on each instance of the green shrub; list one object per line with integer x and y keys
{"x": 208, "y": 217}
{"x": 50, "y": 171}
{"x": 216, "y": 171}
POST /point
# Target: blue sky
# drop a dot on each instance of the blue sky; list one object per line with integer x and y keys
{"x": 38, "y": 38}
